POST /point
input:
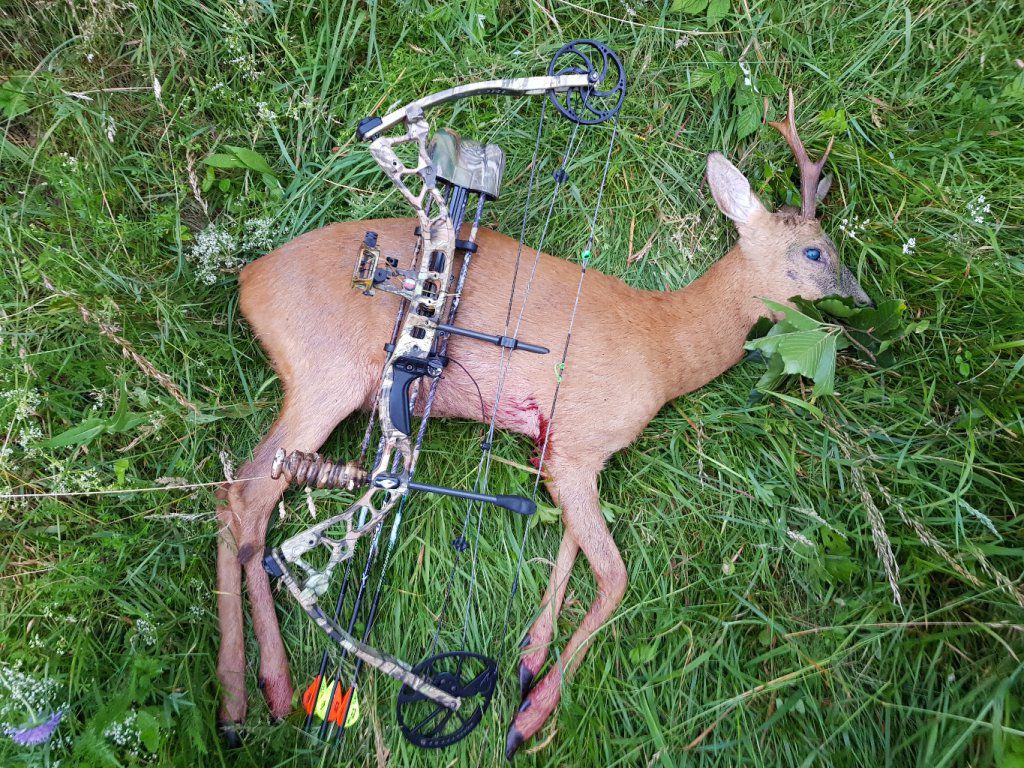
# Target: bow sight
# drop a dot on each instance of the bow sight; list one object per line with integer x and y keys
{"x": 444, "y": 697}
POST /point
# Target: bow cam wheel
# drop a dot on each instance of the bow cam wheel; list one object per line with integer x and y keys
{"x": 469, "y": 676}
{"x": 600, "y": 100}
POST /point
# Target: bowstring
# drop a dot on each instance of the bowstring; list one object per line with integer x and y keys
{"x": 558, "y": 384}
{"x": 486, "y": 458}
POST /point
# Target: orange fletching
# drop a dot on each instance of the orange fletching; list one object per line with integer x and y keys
{"x": 338, "y": 706}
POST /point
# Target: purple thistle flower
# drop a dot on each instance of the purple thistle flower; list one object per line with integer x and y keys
{"x": 36, "y": 734}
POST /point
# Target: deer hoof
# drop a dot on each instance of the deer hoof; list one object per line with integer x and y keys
{"x": 513, "y": 741}
{"x": 229, "y": 733}
{"x": 525, "y": 679}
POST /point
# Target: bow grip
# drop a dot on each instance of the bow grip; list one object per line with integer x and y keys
{"x": 405, "y": 370}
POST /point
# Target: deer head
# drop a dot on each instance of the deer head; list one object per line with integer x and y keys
{"x": 787, "y": 252}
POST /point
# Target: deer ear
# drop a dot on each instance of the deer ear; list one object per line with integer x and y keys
{"x": 823, "y": 187}
{"x": 731, "y": 190}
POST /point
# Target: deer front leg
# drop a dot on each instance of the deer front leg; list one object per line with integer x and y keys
{"x": 306, "y": 421}
{"x": 538, "y": 637}
{"x": 576, "y": 492}
{"x": 231, "y": 658}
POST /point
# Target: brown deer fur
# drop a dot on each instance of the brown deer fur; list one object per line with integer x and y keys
{"x": 632, "y": 351}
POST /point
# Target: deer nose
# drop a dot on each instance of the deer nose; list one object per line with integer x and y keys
{"x": 864, "y": 301}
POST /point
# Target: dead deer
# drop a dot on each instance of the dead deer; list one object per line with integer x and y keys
{"x": 325, "y": 341}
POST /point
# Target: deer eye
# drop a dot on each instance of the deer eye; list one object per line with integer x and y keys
{"x": 812, "y": 253}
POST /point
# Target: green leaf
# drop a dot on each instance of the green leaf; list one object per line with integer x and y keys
{"x": 641, "y": 654}
{"x": 773, "y": 374}
{"x": 12, "y": 101}
{"x": 795, "y": 317}
{"x": 749, "y": 120}
{"x": 120, "y": 468}
{"x": 809, "y": 353}
{"x": 837, "y": 306}
{"x": 546, "y": 514}
{"x": 223, "y": 161}
{"x": 689, "y": 6}
{"x": 82, "y": 434}
{"x": 149, "y": 730}
{"x": 825, "y": 374}
{"x": 717, "y": 10}
{"x": 252, "y": 160}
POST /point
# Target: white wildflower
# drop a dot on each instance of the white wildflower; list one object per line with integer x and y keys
{"x": 20, "y": 691}
{"x": 683, "y": 41}
{"x": 125, "y": 733}
{"x": 265, "y": 113}
{"x": 99, "y": 400}
{"x": 909, "y": 246}
{"x": 977, "y": 210}
{"x": 747, "y": 76}
{"x": 259, "y": 236}
{"x": 145, "y": 632}
{"x": 157, "y": 90}
{"x": 28, "y": 435}
{"x": 853, "y": 227}
{"x": 111, "y": 130}
{"x": 215, "y": 250}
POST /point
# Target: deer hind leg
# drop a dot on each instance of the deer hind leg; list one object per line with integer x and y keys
{"x": 306, "y": 421}
{"x": 538, "y": 637}
{"x": 576, "y": 492}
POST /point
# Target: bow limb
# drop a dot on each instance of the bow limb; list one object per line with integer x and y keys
{"x": 384, "y": 662}
{"x": 516, "y": 86}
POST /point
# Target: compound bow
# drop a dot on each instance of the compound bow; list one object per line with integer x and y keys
{"x": 445, "y": 696}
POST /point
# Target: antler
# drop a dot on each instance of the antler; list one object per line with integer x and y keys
{"x": 810, "y": 172}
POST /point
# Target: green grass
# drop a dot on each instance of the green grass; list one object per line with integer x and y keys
{"x": 736, "y": 643}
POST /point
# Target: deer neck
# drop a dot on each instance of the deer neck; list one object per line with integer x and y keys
{"x": 707, "y": 322}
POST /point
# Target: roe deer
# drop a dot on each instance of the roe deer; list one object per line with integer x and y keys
{"x": 326, "y": 340}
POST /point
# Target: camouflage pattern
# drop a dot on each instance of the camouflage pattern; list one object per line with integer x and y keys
{"x": 510, "y": 86}
{"x": 437, "y": 235}
{"x": 387, "y": 664}
{"x": 467, "y": 163}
